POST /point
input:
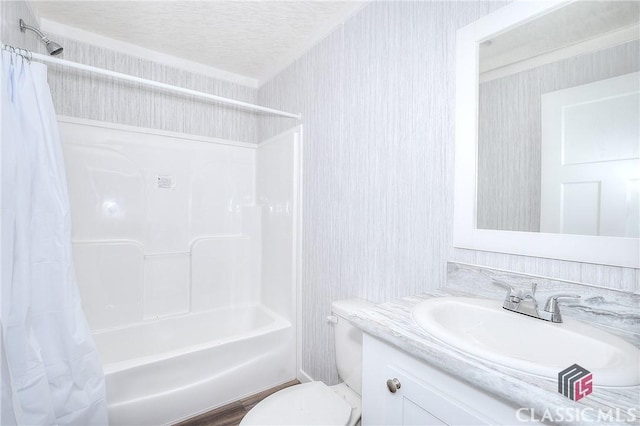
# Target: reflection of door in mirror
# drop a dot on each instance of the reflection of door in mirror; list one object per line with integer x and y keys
{"x": 591, "y": 159}
{"x": 583, "y": 44}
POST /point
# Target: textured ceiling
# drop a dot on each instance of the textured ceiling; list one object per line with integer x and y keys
{"x": 254, "y": 39}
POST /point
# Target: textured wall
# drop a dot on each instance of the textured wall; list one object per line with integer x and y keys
{"x": 377, "y": 98}
{"x": 510, "y": 132}
{"x": 10, "y": 13}
{"x": 84, "y": 95}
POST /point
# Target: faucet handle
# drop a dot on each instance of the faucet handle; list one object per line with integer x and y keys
{"x": 553, "y": 308}
{"x": 512, "y": 294}
{"x": 552, "y": 302}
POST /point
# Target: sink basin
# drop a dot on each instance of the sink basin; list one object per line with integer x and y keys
{"x": 483, "y": 329}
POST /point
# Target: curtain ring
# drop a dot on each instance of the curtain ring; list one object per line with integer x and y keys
{"x": 24, "y": 54}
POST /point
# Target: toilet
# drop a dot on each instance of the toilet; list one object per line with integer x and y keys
{"x": 315, "y": 403}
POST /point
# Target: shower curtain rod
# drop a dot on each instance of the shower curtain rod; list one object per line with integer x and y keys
{"x": 152, "y": 83}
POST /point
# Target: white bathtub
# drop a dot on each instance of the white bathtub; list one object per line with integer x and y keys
{"x": 167, "y": 370}
{"x": 179, "y": 252}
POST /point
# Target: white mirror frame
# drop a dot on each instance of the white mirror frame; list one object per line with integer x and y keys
{"x": 616, "y": 251}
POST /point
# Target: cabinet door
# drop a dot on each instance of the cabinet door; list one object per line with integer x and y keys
{"x": 407, "y": 406}
{"x": 417, "y": 403}
{"x": 426, "y": 395}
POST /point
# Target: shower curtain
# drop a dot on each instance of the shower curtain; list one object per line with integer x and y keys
{"x": 51, "y": 372}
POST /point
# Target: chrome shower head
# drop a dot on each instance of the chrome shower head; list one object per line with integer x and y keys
{"x": 52, "y": 47}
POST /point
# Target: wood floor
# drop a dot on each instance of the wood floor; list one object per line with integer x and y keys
{"x": 231, "y": 414}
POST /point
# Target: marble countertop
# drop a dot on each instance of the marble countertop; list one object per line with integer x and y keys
{"x": 392, "y": 322}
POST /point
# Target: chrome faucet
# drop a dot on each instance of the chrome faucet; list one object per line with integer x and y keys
{"x": 524, "y": 302}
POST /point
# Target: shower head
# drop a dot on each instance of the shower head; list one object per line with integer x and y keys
{"x": 52, "y": 47}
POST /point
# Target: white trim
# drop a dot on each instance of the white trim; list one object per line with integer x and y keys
{"x": 67, "y": 31}
{"x": 2, "y": 231}
{"x": 464, "y": 211}
{"x": 611, "y": 39}
{"x": 614, "y": 251}
{"x": 148, "y": 131}
{"x": 512, "y": 15}
{"x": 304, "y": 377}
{"x": 276, "y": 138}
{"x": 298, "y": 193}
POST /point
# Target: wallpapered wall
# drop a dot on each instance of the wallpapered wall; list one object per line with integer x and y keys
{"x": 84, "y": 95}
{"x": 510, "y": 132}
{"x": 377, "y": 98}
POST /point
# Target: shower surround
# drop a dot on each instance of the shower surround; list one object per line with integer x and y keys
{"x": 184, "y": 250}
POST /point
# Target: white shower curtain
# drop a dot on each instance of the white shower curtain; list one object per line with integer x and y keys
{"x": 51, "y": 372}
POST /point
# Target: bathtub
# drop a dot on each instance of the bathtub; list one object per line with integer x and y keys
{"x": 163, "y": 371}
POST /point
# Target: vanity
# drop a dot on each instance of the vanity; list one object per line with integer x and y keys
{"x": 412, "y": 377}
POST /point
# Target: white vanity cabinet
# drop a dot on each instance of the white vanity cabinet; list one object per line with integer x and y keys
{"x": 425, "y": 395}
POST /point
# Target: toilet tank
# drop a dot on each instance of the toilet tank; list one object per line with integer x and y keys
{"x": 348, "y": 343}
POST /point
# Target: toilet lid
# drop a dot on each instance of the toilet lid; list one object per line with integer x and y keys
{"x": 311, "y": 403}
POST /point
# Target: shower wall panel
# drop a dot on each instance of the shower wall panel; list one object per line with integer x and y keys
{"x": 163, "y": 224}
{"x": 277, "y": 194}
{"x": 217, "y": 262}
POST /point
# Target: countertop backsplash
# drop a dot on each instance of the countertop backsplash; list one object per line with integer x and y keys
{"x": 606, "y": 308}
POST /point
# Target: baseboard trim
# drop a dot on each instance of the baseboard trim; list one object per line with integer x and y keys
{"x": 304, "y": 377}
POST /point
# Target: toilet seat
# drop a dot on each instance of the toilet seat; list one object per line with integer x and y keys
{"x": 311, "y": 403}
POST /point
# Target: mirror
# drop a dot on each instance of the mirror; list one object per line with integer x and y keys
{"x": 558, "y": 136}
{"x": 548, "y": 132}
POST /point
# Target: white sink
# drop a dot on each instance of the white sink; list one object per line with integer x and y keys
{"x": 482, "y": 328}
